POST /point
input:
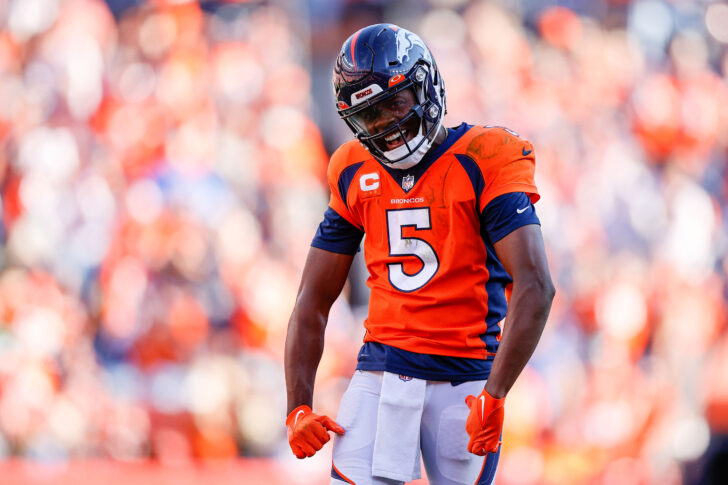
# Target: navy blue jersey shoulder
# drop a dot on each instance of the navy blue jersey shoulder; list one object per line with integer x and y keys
{"x": 474, "y": 174}
{"x": 500, "y": 217}
{"x": 345, "y": 178}
{"x": 375, "y": 356}
{"x": 505, "y": 214}
{"x": 337, "y": 235}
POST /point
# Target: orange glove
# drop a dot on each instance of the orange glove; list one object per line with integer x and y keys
{"x": 308, "y": 432}
{"x": 485, "y": 423}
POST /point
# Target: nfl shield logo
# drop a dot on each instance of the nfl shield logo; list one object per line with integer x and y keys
{"x": 405, "y": 378}
{"x": 408, "y": 182}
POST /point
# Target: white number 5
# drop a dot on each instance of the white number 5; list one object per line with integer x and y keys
{"x": 410, "y": 246}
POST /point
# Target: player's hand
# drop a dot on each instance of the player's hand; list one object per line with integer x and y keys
{"x": 308, "y": 432}
{"x": 485, "y": 423}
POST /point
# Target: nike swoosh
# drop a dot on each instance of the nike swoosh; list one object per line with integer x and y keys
{"x": 482, "y": 408}
{"x": 526, "y": 152}
{"x": 521, "y": 211}
{"x": 297, "y": 415}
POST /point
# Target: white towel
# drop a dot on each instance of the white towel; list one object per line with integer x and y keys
{"x": 397, "y": 441}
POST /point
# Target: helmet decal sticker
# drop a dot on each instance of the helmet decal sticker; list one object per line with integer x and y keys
{"x": 364, "y": 94}
{"x": 396, "y": 79}
{"x": 405, "y": 41}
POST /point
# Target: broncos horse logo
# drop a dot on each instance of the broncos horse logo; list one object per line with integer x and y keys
{"x": 405, "y": 42}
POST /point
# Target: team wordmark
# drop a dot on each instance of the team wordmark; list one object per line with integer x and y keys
{"x": 363, "y": 93}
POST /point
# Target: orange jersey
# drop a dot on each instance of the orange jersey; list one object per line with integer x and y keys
{"x": 432, "y": 277}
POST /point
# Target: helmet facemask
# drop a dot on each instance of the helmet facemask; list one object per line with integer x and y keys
{"x": 421, "y": 124}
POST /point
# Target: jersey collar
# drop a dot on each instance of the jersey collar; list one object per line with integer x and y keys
{"x": 453, "y": 135}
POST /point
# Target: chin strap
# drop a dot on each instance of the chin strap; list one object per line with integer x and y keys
{"x": 416, "y": 156}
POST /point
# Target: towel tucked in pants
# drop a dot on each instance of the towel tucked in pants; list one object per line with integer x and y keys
{"x": 442, "y": 437}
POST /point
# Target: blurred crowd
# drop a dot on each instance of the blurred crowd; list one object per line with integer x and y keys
{"x": 162, "y": 174}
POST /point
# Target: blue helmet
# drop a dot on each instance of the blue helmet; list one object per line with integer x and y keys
{"x": 375, "y": 64}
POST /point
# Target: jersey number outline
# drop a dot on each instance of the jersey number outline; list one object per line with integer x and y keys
{"x": 397, "y": 220}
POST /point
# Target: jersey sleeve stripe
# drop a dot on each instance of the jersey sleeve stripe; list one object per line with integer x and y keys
{"x": 337, "y": 235}
{"x": 506, "y": 213}
{"x": 474, "y": 174}
{"x": 529, "y": 189}
{"x": 345, "y": 179}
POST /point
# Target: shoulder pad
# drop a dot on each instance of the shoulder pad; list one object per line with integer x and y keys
{"x": 347, "y": 154}
{"x": 495, "y": 144}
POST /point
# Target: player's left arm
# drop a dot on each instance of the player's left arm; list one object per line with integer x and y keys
{"x": 524, "y": 257}
{"x": 518, "y": 243}
{"x": 324, "y": 275}
{"x": 516, "y": 232}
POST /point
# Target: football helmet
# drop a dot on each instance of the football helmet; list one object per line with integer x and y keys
{"x": 376, "y": 67}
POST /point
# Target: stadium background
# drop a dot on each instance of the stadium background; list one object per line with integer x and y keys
{"x": 162, "y": 174}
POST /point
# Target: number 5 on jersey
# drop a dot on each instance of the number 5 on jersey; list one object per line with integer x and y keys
{"x": 397, "y": 220}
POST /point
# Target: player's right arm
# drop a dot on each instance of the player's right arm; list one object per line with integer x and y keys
{"x": 332, "y": 250}
{"x": 324, "y": 275}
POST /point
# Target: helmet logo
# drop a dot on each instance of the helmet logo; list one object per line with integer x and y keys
{"x": 342, "y": 105}
{"x": 396, "y": 79}
{"x": 405, "y": 41}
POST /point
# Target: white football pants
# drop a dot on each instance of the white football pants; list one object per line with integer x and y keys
{"x": 443, "y": 439}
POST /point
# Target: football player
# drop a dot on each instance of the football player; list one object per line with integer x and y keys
{"x": 460, "y": 286}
